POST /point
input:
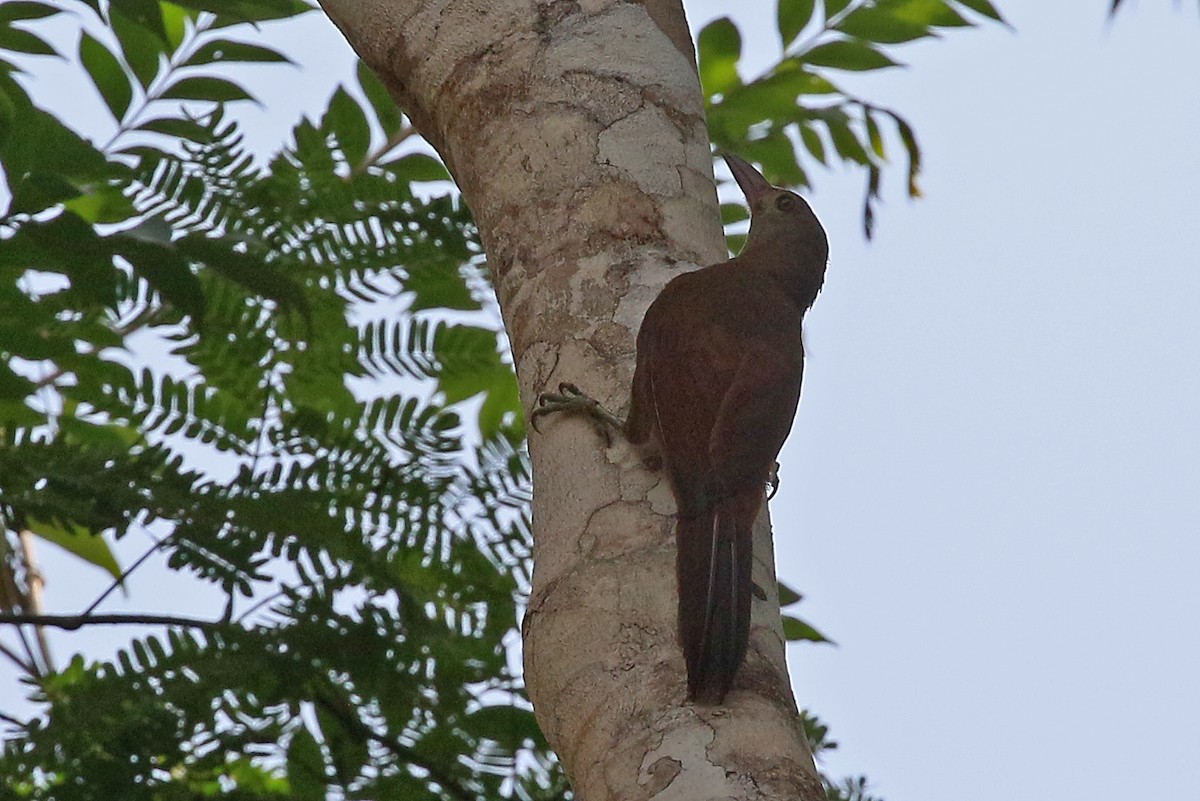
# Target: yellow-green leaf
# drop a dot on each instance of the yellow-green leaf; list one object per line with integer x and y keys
{"x": 89, "y": 547}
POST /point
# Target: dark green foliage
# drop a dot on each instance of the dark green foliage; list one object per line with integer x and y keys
{"x": 382, "y": 544}
{"x": 794, "y": 112}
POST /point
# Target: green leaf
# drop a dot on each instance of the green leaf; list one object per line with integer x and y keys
{"x": 502, "y": 404}
{"x": 236, "y": 12}
{"x": 220, "y": 51}
{"x": 834, "y": 7}
{"x": 70, "y": 246}
{"x": 386, "y": 111}
{"x": 777, "y": 97}
{"x": 306, "y": 767}
{"x": 91, "y": 548}
{"x": 909, "y": 138}
{"x": 795, "y": 629}
{"x": 22, "y": 41}
{"x": 218, "y": 90}
{"x": 40, "y": 143}
{"x": 174, "y": 23}
{"x": 937, "y": 13}
{"x": 13, "y": 387}
{"x": 104, "y": 204}
{"x": 788, "y": 596}
{"x": 146, "y": 13}
{"x": 164, "y": 269}
{"x": 419, "y": 167}
{"x": 879, "y": 25}
{"x": 14, "y": 11}
{"x": 246, "y": 269}
{"x": 510, "y": 726}
{"x": 845, "y": 141}
{"x": 180, "y": 127}
{"x": 874, "y": 137}
{"x": 107, "y": 74}
{"x": 792, "y": 16}
{"x": 347, "y": 120}
{"x": 720, "y": 47}
{"x": 438, "y": 284}
{"x": 985, "y": 8}
{"x": 139, "y": 46}
{"x": 812, "y": 142}
{"x": 851, "y": 55}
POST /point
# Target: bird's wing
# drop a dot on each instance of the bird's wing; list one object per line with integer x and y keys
{"x": 720, "y": 400}
{"x": 756, "y": 410}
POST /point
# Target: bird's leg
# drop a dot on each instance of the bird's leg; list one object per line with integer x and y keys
{"x": 569, "y": 398}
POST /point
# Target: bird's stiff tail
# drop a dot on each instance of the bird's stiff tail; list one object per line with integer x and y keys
{"x": 713, "y": 564}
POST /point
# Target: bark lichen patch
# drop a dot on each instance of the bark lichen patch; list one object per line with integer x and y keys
{"x": 623, "y": 41}
{"x": 603, "y": 98}
{"x": 647, "y": 147}
{"x": 659, "y": 775}
{"x": 617, "y": 530}
{"x": 698, "y": 778}
{"x": 616, "y": 210}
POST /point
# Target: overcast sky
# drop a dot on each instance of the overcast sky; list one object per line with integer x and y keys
{"x": 991, "y": 497}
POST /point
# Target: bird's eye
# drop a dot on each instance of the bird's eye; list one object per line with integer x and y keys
{"x": 786, "y": 203}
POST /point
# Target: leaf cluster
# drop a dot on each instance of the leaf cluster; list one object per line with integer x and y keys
{"x": 265, "y": 369}
{"x": 795, "y": 113}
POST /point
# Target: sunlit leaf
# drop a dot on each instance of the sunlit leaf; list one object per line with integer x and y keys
{"x": 219, "y": 51}
{"x": 848, "y": 55}
{"x": 22, "y": 41}
{"x": 386, "y": 110}
{"x": 720, "y": 47}
{"x": 876, "y": 24}
{"x": 985, "y": 8}
{"x": 795, "y": 629}
{"x": 91, "y": 548}
{"x": 207, "y": 88}
{"x": 791, "y": 17}
{"x": 346, "y": 118}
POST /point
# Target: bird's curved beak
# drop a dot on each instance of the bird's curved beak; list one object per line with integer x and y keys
{"x": 749, "y": 179}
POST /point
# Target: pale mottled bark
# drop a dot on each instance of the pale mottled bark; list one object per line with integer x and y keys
{"x": 576, "y": 133}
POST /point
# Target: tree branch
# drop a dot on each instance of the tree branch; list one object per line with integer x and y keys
{"x": 73, "y": 622}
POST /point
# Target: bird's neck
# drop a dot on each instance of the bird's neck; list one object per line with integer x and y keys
{"x": 797, "y": 268}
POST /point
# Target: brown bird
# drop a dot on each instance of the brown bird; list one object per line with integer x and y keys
{"x": 719, "y": 362}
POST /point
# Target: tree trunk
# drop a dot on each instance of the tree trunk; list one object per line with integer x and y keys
{"x": 576, "y": 133}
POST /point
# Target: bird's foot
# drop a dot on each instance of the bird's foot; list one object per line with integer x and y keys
{"x": 570, "y": 398}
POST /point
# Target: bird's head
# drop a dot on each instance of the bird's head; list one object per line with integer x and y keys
{"x": 779, "y": 219}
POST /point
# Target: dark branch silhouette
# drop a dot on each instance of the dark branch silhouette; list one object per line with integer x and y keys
{"x": 73, "y": 622}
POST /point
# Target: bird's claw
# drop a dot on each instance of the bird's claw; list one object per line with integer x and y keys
{"x": 773, "y": 481}
{"x": 571, "y": 398}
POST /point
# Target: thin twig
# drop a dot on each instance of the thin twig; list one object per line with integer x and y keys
{"x": 261, "y": 603}
{"x": 73, "y": 622}
{"x": 393, "y": 141}
{"x": 17, "y": 660}
{"x": 125, "y": 573}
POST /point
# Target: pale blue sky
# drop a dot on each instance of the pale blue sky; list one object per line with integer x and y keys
{"x": 991, "y": 497}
